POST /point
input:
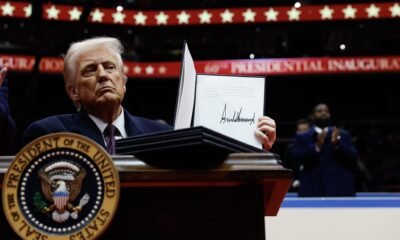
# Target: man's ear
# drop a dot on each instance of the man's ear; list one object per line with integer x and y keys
{"x": 74, "y": 96}
{"x": 72, "y": 93}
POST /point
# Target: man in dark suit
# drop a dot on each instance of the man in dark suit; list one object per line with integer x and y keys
{"x": 7, "y": 125}
{"x": 95, "y": 82}
{"x": 327, "y": 156}
{"x": 302, "y": 125}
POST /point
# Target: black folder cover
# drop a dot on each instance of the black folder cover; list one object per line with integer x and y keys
{"x": 196, "y": 147}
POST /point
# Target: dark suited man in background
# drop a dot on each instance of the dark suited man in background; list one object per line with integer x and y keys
{"x": 7, "y": 125}
{"x": 327, "y": 157}
{"x": 95, "y": 82}
{"x": 302, "y": 125}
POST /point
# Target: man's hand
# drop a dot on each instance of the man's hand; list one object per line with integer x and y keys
{"x": 266, "y": 131}
{"x": 3, "y": 72}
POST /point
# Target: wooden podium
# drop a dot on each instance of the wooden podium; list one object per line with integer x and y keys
{"x": 228, "y": 202}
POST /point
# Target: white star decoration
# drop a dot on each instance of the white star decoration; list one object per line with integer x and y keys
{"x": 119, "y": 17}
{"x": 149, "y": 70}
{"x": 373, "y": 11}
{"x": 294, "y": 14}
{"x": 74, "y": 14}
{"x": 271, "y": 15}
{"x": 137, "y": 69}
{"x": 97, "y": 15}
{"x": 205, "y": 17}
{"x": 28, "y": 10}
{"x": 183, "y": 17}
{"x": 326, "y": 12}
{"x": 162, "y": 18}
{"x": 52, "y": 12}
{"x": 395, "y": 10}
{"x": 8, "y": 9}
{"x": 349, "y": 12}
{"x": 249, "y": 15}
{"x": 140, "y": 18}
{"x": 162, "y": 69}
{"x": 226, "y": 16}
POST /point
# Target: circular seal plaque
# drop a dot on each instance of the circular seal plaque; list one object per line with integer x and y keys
{"x": 61, "y": 186}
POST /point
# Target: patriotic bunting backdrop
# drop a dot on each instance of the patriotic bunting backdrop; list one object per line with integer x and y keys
{"x": 287, "y": 66}
{"x": 15, "y": 9}
{"x": 331, "y": 12}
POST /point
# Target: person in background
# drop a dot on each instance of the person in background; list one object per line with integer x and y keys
{"x": 302, "y": 125}
{"x": 96, "y": 83}
{"x": 7, "y": 124}
{"x": 326, "y": 156}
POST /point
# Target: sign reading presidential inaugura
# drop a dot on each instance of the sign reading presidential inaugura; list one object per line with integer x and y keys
{"x": 61, "y": 186}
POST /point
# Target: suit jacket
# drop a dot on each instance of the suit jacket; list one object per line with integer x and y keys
{"x": 7, "y": 124}
{"x": 81, "y": 123}
{"x": 328, "y": 172}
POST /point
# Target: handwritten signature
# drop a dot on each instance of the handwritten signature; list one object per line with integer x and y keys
{"x": 236, "y": 117}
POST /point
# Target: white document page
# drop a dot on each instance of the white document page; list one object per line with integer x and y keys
{"x": 230, "y": 105}
{"x": 187, "y": 86}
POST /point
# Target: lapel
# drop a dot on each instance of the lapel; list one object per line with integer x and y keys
{"x": 82, "y": 124}
{"x": 130, "y": 126}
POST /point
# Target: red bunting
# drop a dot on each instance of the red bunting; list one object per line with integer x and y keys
{"x": 266, "y": 67}
{"x": 247, "y": 15}
{"x": 61, "y": 12}
{"x": 15, "y": 9}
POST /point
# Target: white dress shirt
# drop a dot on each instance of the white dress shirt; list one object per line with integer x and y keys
{"x": 119, "y": 123}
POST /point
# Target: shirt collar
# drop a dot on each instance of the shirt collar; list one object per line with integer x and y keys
{"x": 320, "y": 130}
{"x": 119, "y": 123}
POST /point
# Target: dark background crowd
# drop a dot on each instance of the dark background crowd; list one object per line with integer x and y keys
{"x": 366, "y": 105}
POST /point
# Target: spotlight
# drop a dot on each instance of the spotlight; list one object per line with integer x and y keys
{"x": 120, "y": 8}
{"x": 297, "y": 4}
{"x": 342, "y": 47}
{"x": 251, "y": 56}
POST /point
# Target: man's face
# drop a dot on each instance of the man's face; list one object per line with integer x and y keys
{"x": 321, "y": 111}
{"x": 99, "y": 80}
{"x": 321, "y": 115}
{"x": 302, "y": 127}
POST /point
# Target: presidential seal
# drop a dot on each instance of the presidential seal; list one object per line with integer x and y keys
{"x": 61, "y": 186}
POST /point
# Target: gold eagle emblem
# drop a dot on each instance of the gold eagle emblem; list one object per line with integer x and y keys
{"x": 61, "y": 183}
